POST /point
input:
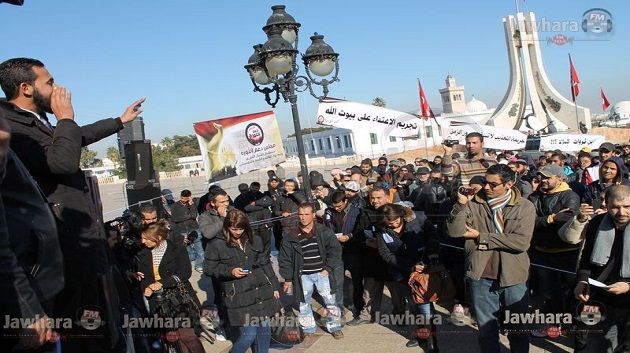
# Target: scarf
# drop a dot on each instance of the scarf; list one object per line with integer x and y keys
{"x": 156, "y": 256}
{"x": 496, "y": 206}
{"x": 604, "y": 239}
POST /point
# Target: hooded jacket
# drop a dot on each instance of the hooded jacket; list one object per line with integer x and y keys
{"x": 593, "y": 194}
{"x": 519, "y": 220}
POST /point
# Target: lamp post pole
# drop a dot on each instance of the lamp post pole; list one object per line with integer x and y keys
{"x": 299, "y": 140}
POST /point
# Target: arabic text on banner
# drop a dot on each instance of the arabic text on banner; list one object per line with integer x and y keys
{"x": 493, "y": 137}
{"x": 352, "y": 115}
{"x": 570, "y": 142}
{"x": 239, "y": 144}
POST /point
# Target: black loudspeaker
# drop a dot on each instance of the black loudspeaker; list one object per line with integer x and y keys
{"x": 138, "y": 197}
{"x": 139, "y": 163}
{"x": 92, "y": 183}
{"x": 132, "y": 131}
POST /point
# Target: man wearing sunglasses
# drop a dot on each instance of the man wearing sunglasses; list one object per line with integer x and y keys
{"x": 497, "y": 224}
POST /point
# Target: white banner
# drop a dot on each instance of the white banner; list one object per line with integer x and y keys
{"x": 352, "y": 115}
{"x": 570, "y": 142}
{"x": 239, "y": 144}
{"x": 493, "y": 137}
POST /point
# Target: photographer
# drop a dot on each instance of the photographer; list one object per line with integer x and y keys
{"x": 186, "y": 228}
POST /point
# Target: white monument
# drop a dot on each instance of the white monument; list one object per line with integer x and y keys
{"x": 526, "y": 70}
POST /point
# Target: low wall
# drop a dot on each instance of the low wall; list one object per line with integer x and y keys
{"x": 613, "y": 134}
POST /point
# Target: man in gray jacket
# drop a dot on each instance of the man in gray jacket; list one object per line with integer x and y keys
{"x": 497, "y": 224}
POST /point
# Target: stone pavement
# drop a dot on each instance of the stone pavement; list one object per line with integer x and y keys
{"x": 386, "y": 338}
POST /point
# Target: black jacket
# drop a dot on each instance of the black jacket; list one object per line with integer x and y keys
{"x": 52, "y": 158}
{"x": 373, "y": 265}
{"x": 32, "y": 230}
{"x": 289, "y": 203}
{"x": 545, "y": 236}
{"x": 251, "y": 295}
{"x": 184, "y": 218}
{"x": 402, "y": 251}
{"x": 173, "y": 267}
{"x": 291, "y": 260}
{"x": 587, "y": 269}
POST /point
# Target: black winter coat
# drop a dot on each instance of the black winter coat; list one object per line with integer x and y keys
{"x": 53, "y": 158}
{"x": 403, "y": 251}
{"x": 545, "y": 236}
{"x": 174, "y": 267}
{"x": 291, "y": 259}
{"x": 32, "y": 230}
{"x": 250, "y": 296}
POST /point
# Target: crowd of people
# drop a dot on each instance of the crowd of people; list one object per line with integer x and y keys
{"x": 518, "y": 233}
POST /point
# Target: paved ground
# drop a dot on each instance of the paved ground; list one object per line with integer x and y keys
{"x": 365, "y": 338}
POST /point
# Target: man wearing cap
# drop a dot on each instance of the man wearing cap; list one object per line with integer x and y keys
{"x": 354, "y": 195}
{"x": 474, "y": 163}
{"x": 555, "y": 205}
{"x": 606, "y": 150}
{"x": 367, "y": 172}
{"x": 422, "y": 178}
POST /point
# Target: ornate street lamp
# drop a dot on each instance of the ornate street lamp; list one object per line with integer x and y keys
{"x": 274, "y": 66}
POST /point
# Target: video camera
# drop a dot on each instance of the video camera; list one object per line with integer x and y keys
{"x": 127, "y": 229}
{"x": 450, "y": 143}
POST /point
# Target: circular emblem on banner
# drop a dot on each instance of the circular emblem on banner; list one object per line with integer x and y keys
{"x": 320, "y": 119}
{"x": 254, "y": 134}
{"x": 90, "y": 317}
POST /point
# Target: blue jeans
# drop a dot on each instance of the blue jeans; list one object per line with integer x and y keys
{"x": 306, "y": 319}
{"x": 489, "y": 302}
{"x": 259, "y": 336}
{"x": 195, "y": 251}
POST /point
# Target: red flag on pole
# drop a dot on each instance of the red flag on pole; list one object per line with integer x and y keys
{"x": 424, "y": 104}
{"x": 575, "y": 81}
{"x": 605, "y": 103}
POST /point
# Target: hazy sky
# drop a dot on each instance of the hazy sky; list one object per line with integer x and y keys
{"x": 187, "y": 56}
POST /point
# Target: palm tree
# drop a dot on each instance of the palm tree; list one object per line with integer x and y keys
{"x": 379, "y": 102}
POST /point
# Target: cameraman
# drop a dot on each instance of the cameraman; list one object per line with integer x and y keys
{"x": 472, "y": 164}
{"x": 186, "y": 229}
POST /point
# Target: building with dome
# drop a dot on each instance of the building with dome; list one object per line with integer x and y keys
{"x": 619, "y": 115}
{"x": 455, "y": 107}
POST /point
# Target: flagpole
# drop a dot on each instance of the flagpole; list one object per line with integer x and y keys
{"x": 577, "y": 118}
{"x": 424, "y": 131}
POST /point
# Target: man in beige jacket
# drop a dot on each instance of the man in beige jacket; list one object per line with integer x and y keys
{"x": 498, "y": 224}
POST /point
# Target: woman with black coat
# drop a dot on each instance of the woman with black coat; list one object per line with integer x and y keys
{"x": 162, "y": 265}
{"x": 405, "y": 247}
{"x": 250, "y": 287}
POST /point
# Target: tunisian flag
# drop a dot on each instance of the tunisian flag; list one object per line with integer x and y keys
{"x": 605, "y": 103}
{"x": 424, "y": 104}
{"x": 575, "y": 81}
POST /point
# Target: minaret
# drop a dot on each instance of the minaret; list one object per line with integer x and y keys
{"x": 453, "y": 99}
